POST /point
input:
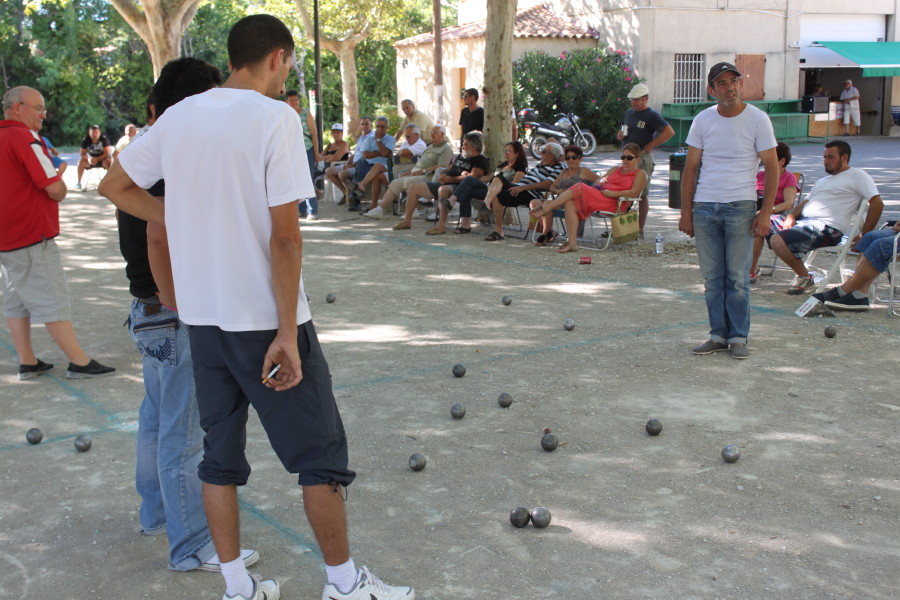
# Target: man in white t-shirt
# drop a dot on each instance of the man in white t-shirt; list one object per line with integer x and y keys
{"x": 236, "y": 252}
{"x": 850, "y": 98}
{"x": 826, "y": 214}
{"x": 719, "y": 206}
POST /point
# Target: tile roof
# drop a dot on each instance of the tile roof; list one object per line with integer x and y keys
{"x": 538, "y": 21}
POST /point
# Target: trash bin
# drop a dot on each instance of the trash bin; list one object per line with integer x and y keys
{"x": 676, "y": 168}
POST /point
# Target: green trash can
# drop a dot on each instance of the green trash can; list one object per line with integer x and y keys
{"x": 676, "y": 168}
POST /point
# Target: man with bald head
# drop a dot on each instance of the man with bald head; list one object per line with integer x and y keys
{"x": 414, "y": 116}
{"x": 34, "y": 288}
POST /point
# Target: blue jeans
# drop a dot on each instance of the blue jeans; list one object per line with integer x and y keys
{"x": 466, "y": 190}
{"x": 169, "y": 440}
{"x": 724, "y": 248}
{"x": 312, "y": 203}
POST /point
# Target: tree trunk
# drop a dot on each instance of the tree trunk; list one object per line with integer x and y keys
{"x": 350, "y": 91}
{"x": 501, "y": 16}
{"x": 160, "y": 23}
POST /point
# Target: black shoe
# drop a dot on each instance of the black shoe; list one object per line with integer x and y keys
{"x": 828, "y": 295}
{"x": 31, "y": 371}
{"x": 89, "y": 371}
{"x": 848, "y": 302}
{"x": 355, "y": 207}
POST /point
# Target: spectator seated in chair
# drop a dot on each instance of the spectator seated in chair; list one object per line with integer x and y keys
{"x": 469, "y": 162}
{"x": 573, "y": 174}
{"x": 784, "y": 200}
{"x": 336, "y": 151}
{"x": 471, "y": 193}
{"x": 376, "y": 150}
{"x": 822, "y": 217}
{"x": 877, "y": 250}
{"x": 436, "y": 156}
{"x": 581, "y": 200}
{"x": 502, "y": 192}
{"x": 339, "y": 175}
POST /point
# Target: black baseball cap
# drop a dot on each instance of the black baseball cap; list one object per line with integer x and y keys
{"x": 718, "y": 69}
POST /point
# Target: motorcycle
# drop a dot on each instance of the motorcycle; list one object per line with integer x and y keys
{"x": 565, "y": 131}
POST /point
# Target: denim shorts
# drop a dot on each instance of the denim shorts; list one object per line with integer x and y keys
{"x": 302, "y": 423}
{"x": 806, "y": 236}
{"x": 878, "y": 248}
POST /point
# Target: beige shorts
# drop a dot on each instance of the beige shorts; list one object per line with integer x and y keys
{"x": 647, "y": 165}
{"x": 34, "y": 285}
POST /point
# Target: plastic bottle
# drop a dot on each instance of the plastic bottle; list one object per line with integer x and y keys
{"x": 659, "y": 243}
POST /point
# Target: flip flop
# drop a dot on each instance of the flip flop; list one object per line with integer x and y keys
{"x": 401, "y": 225}
{"x": 435, "y": 231}
{"x": 493, "y": 237}
{"x": 462, "y": 230}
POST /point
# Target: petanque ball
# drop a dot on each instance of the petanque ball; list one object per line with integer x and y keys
{"x": 653, "y": 426}
{"x": 417, "y": 462}
{"x": 549, "y": 442}
{"x": 459, "y": 370}
{"x": 547, "y": 430}
{"x": 540, "y": 517}
{"x": 458, "y": 411}
{"x": 83, "y": 443}
{"x": 830, "y": 332}
{"x": 506, "y": 300}
{"x": 505, "y": 400}
{"x": 731, "y": 453}
{"x": 330, "y": 298}
{"x": 519, "y": 516}
{"x": 569, "y": 324}
{"x": 34, "y": 435}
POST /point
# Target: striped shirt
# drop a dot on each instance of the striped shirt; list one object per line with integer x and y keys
{"x": 538, "y": 174}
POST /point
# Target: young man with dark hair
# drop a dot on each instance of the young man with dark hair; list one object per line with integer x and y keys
{"x": 236, "y": 251}
{"x": 96, "y": 152}
{"x": 472, "y": 116}
{"x": 169, "y": 439}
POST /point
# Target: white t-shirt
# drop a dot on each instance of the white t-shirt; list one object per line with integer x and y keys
{"x": 849, "y": 94}
{"x": 731, "y": 147}
{"x": 835, "y": 198}
{"x": 226, "y": 155}
{"x": 417, "y": 149}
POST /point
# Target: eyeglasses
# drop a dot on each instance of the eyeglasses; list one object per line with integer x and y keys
{"x": 626, "y": 157}
{"x": 572, "y": 157}
{"x": 41, "y": 109}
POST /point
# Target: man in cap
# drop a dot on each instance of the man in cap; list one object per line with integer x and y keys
{"x": 645, "y": 127}
{"x": 719, "y": 207}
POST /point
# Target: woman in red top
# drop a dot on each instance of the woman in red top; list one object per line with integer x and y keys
{"x": 580, "y": 200}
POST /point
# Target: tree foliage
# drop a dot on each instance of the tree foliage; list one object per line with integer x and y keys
{"x": 593, "y": 83}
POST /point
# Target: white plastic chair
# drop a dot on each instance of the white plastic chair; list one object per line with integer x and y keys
{"x": 837, "y": 266}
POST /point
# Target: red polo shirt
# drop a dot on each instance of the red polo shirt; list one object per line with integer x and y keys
{"x": 27, "y": 213}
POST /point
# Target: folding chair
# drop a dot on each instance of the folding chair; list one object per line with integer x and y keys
{"x": 774, "y": 265}
{"x": 93, "y": 174}
{"x": 891, "y": 275}
{"x": 624, "y": 207}
{"x": 837, "y": 266}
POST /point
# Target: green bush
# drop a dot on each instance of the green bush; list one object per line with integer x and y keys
{"x": 593, "y": 83}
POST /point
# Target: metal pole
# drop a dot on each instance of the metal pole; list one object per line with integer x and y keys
{"x": 318, "y": 75}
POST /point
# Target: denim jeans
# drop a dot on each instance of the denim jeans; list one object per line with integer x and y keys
{"x": 467, "y": 190}
{"x": 312, "y": 203}
{"x": 724, "y": 248}
{"x": 169, "y": 440}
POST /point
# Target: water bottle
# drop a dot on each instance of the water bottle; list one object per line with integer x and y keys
{"x": 659, "y": 243}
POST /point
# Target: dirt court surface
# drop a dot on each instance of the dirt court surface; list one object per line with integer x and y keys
{"x": 811, "y": 509}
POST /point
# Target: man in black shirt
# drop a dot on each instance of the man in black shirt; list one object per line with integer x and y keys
{"x": 169, "y": 440}
{"x": 96, "y": 151}
{"x": 472, "y": 117}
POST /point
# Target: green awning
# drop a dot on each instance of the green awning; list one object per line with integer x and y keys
{"x": 876, "y": 59}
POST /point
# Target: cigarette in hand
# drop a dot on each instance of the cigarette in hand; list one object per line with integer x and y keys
{"x": 271, "y": 374}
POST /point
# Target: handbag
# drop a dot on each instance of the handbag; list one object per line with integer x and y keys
{"x": 625, "y": 227}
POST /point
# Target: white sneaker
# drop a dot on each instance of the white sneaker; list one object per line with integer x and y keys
{"x": 263, "y": 589}
{"x": 215, "y": 565}
{"x": 312, "y": 217}
{"x": 369, "y": 587}
{"x": 375, "y": 213}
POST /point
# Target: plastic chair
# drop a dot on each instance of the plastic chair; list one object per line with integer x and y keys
{"x": 93, "y": 174}
{"x": 837, "y": 266}
{"x": 891, "y": 275}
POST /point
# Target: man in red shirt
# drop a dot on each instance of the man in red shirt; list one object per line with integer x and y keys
{"x": 34, "y": 288}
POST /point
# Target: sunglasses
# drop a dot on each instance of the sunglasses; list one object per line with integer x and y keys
{"x": 626, "y": 157}
{"x": 572, "y": 157}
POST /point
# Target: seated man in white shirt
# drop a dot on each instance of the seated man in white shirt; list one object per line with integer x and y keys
{"x": 821, "y": 219}
{"x": 404, "y": 160}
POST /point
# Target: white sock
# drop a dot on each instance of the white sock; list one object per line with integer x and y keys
{"x": 858, "y": 294}
{"x": 343, "y": 577}
{"x": 237, "y": 580}
{"x": 841, "y": 291}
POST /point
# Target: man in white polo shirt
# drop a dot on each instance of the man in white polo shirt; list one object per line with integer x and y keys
{"x": 236, "y": 253}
